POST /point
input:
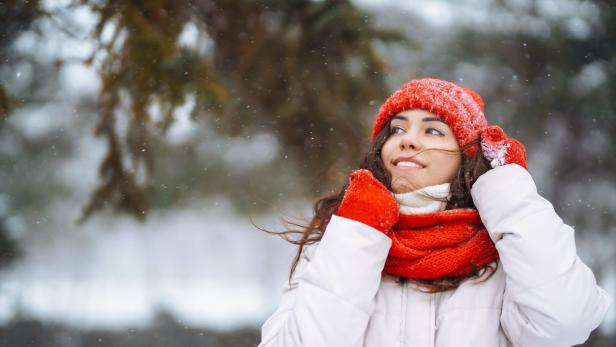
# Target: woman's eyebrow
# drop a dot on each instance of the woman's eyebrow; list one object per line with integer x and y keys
{"x": 433, "y": 119}
{"x": 400, "y": 118}
{"x": 426, "y": 119}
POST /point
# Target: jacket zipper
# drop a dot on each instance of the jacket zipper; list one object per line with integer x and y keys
{"x": 404, "y": 300}
{"x": 432, "y": 335}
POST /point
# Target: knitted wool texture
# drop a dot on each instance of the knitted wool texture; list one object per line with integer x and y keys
{"x": 462, "y": 109}
{"x": 426, "y": 245}
{"x": 454, "y": 242}
{"x": 431, "y": 246}
{"x": 368, "y": 201}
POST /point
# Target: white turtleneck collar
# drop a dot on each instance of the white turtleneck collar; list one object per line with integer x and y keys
{"x": 419, "y": 201}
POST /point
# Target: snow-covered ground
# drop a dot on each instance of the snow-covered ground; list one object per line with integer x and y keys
{"x": 204, "y": 264}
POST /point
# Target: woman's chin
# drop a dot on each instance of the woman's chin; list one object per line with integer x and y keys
{"x": 405, "y": 189}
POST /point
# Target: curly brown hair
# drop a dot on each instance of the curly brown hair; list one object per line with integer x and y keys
{"x": 471, "y": 168}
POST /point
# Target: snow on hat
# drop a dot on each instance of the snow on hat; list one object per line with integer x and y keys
{"x": 462, "y": 109}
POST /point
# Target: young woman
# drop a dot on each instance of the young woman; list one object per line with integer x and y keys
{"x": 440, "y": 239}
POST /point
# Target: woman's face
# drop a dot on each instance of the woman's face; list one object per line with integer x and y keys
{"x": 412, "y": 153}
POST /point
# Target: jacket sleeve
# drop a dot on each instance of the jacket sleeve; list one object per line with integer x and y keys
{"x": 551, "y": 296}
{"x": 332, "y": 292}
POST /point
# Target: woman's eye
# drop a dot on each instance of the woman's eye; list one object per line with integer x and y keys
{"x": 434, "y": 131}
{"x": 396, "y": 130}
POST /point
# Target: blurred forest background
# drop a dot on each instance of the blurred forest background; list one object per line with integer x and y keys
{"x": 138, "y": 139}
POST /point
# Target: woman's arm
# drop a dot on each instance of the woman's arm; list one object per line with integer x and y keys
{"x": 332, "y": 292}
{"x": 551, "y": 296}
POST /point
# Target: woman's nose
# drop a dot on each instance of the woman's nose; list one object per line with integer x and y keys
{"x": 410, "y": 140}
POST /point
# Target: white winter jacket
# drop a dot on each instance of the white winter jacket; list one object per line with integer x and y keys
{"x": 541, "y": 295}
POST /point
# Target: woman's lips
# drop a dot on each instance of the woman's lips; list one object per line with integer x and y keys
{"x": 407, "y": 165}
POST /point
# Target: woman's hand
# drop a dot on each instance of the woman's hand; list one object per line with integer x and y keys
{"x": 501, "y": 150}
{"x": 368, "y": 201}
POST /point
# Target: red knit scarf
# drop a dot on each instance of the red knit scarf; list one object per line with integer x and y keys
{"x": 430, "y": 246}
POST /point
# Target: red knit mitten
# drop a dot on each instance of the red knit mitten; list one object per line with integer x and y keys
{"x": 368, "y": 201}
{"x": 501, "y": 150}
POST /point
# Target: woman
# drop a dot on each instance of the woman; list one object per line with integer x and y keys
{"x": 439, "y": 240}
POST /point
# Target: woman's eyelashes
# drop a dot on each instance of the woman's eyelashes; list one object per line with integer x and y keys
{"x": 395, "y": 130}
{"x": 436, "y": 131}
{"x": 431, "y": 131}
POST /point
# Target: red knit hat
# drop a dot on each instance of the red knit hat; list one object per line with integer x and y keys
{"x": 462, "y": 109}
